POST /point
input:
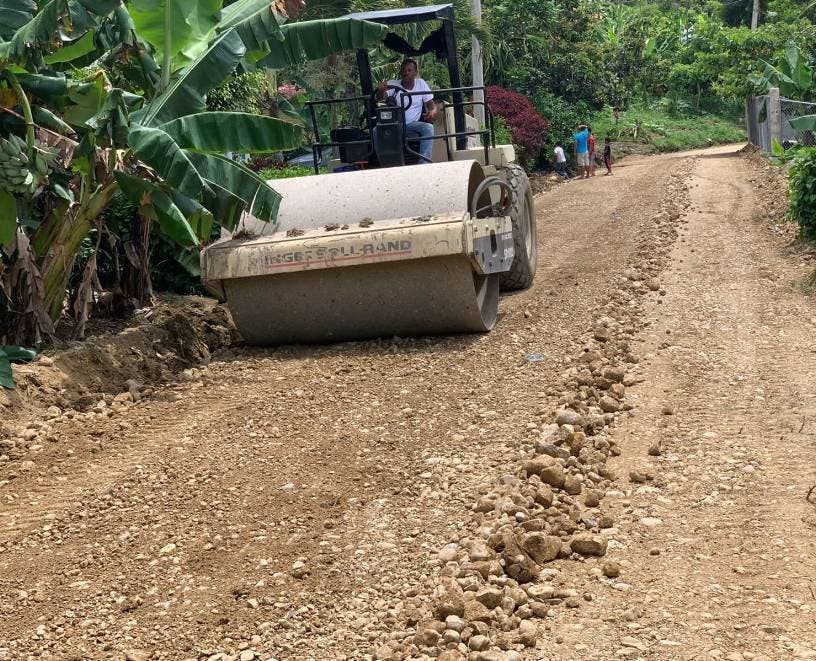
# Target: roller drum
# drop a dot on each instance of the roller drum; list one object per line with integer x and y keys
{"x": 416, "y": 297}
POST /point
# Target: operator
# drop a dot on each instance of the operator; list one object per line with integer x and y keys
{"x": 420, "y": 113}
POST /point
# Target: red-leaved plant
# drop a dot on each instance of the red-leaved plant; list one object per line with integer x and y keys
{"x": 527, "y": 126}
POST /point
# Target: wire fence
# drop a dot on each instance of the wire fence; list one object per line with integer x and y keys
{"x": 790, "y": 109}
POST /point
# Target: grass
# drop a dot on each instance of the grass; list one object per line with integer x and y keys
{"x": 665, "y": 130}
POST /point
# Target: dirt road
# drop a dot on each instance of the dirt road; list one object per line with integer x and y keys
{"x": 323, "y": 502}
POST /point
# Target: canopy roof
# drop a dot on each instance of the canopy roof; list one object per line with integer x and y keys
{"x": 406, "y": 15}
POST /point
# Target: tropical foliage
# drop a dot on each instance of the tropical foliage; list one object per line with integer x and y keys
{"x": 103, "y": 98}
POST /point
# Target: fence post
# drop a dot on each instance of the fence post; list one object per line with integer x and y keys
{"x": 774, "y": 115}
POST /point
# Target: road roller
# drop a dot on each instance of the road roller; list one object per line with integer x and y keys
{"x": 385, "y": 244}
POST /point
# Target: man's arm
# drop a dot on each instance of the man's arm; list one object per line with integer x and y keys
{"x": 430, "y": 111}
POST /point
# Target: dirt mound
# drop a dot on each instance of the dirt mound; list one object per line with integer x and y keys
{"x": 176, "y": 333}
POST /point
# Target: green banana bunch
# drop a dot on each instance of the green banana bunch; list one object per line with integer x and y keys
{"x": 20, "y": 172}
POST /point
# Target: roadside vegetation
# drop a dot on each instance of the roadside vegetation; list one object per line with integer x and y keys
{"x": 667, "y": 129}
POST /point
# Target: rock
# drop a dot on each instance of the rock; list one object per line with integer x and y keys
{"x": 426, "y": 638}
{"x": 247, "y": 655}
{"x": 543, "y": 496}
{"x": 299, "y": 569}
{"x": 655, "y": 450}
{"x": 490, "y": 597}
{"x": 540, "y": 547}
{"x": 601, "y": 334}
{"x": 569, "y": 417}
{"x": 606, "y": 521}
{"x": 641, "y": 475}
{"x": 168, "y": 548}
{"x": 609, "y": 404}
{"x": 653, "y": 284}
{"x": 448, "y": 599}
{"x": 654, "y": 551}
{"x": 553, "y": 475}
{"x": 572, "y": 602}
{"x": 475, "y": 611}
{"x": 478, "y": 643}
{"x": 455, "y": 623}
{"x": 484, "y": 505}
{"x": 551, "y": 450}
{"x": 616, "y": 374}
{"x": 537, "y": 464}
{"x": 136, "y": 655}
{"x": 449, "y": 552}
{"x": 593, "y": 498}
{"x": 479, "y": 551}
{"x": 667, "y": 409}
{"x": 528, "y": 633}
{"x": 588, "y": 544}
{"x": 611, "y": 569}
{"x": 572, "y": 485}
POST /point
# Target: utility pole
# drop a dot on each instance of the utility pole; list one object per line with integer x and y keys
{"x": 755, "y": 15}
{"x": 476, "y": 65}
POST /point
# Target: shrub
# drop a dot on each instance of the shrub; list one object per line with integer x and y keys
{"x": 563, "y": 118}
{"x": 802, "y": 192}
{"x": 529, "y": 129}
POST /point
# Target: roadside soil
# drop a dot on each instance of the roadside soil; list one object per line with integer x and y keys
{"x": 311, "y": 502}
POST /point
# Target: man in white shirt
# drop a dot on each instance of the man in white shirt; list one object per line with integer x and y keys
{"x": 420, "y": 113}
{"x": 560, "y": 161}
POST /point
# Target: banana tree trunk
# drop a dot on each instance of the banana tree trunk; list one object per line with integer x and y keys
{"x": 137, "y": 285}
{"x": 57, "y": 242}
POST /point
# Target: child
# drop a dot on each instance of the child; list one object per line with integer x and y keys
{"x": 607, "y": 156}
{"x": 560, "y": 161}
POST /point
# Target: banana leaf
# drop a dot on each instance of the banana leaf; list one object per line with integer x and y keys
{"x": 8, "y": 218}
{"x": 87, "y": 100}
{"x": 158, "y": 150}
{"x": 256, "y": 21}
{"x": 311, "y": 40}
{"x": 158, "y": 205}
{"x": 179, "y": 30}
{"x": 6, "y": 379}
{"x": 199, "y": 217}
{"x": 9, "y": 354}
{"x": 73, "y": 50}
{"x": 45, "y": 87}
{"x": 186, "y": 94}
{"x": 14, "y": 14}
{"x": 39, "y": 31}
{"x": 220, "y": 132}
{"x": 260, "y": 198}
{"x": 804, "y": 123}
{"x": 47, "y": 119}
{"x": 226, "y": 208}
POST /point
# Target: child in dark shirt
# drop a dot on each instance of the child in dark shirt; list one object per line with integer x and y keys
{"x": 607, "y": 155}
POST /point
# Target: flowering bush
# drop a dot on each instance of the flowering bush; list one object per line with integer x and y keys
{"x": 529, "y": 129}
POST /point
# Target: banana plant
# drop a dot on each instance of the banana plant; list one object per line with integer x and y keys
{"x": 150, "y": 139}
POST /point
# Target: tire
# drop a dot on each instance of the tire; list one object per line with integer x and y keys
{"x": 522, "y": 214}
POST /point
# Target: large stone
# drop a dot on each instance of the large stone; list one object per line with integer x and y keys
{"x": 609, "y": 404}
{"x": 551, "y": 450}
{"x": 572, "y": 485}
{"x": 426, "y": 638}
{"x": 476, "y": 611}
{"x": 537, "y": 464}
{"x": 615, "y": 374}
{"x": 540, "y": 547}
{"x": 588, "y": 544}
{"x": 490, "y": 597}
{"x": 448, "y": 599}
{"x": 553, "y": 475}
{"x": 543, "y": 496}
{"x": 569, "y": 417}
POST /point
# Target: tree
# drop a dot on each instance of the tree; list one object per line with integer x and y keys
{"x": 135, "y": 122}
